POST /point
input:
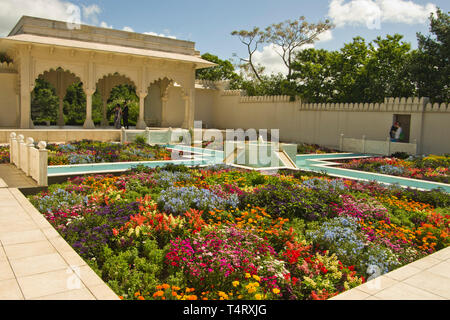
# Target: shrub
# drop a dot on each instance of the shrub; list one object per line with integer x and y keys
{"x": 341, "y": 236}
{"x": 179, "y": 200}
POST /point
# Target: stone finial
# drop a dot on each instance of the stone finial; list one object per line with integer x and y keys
{"x": 20, "y": 137}
{"x": 13, "y": 135}
{"x": 30, "y": 141}
{"x": 42, "y": 145}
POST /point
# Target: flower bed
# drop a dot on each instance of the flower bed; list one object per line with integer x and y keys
{"x": 222, "y": 233}
{"x": 432, "y": 168}
{"x": 87, "y": 151}
{"x": 4, "y": 154}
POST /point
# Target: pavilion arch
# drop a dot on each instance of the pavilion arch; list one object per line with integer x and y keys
{"x": 61, "y": 79}
{"x": 41, "y": 66}
{"x": 105, "y": 85}
{"x": 165, "y": 103}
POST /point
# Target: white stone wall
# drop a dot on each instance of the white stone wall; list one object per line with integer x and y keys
{"x": 323, "y": 123}
{"x": 9, "y": 107}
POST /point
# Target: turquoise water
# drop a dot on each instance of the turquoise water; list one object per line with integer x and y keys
{"x": 318, "y": 164}
{"x": 202, "y": 158}
{"x": 313, "y": 162}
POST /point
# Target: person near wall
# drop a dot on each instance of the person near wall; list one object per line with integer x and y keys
{"x": 392, "y": 131}
{"x": 398, "y": 133}
{"x": 117, "y": 117}
{"x": 125, "y": 115}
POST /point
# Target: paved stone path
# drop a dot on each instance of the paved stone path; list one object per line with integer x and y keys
{"x": 36, "y": 262}
{"x": 15, "y": 178}
{"x": 424, "y": 279}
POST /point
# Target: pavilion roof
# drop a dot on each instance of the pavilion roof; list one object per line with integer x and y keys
{"x": 111, "y": 48}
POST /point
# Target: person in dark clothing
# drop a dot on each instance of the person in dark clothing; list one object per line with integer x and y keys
{"x": 125, "y": 115}
{"x": 393, "y": 131}
{"x": 117, "y": 116}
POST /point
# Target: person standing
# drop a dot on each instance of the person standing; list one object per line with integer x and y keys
{"x": 392, "y": 132}
{"x": 125, "y": 115}
{"x": 117, "y": 117}
{"x": 398, "y": 133}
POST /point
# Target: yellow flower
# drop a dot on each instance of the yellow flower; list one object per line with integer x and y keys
{"x": 256, "y": 277}
{"x": 251, "y": 290}
{"x": 276, "y": 290}
{"x": 258, "y": 296}
{"x": 247, "y": 275}
{"x": 235, "y": 283}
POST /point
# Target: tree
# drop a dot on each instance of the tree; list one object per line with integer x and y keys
{"x": 430, "y": 64}
{"x": 223, "y": 71}
{"x": 290, "y": 35}
{"x": 272, "y": 85}
{"x": 75, "y": 105}
{"x": 356, "y": 73}
{"x": 315, "y": 74}
{"x": 251, "y": 39}
{"x": 386, "y": 72}
{"x": 44, "y": 102}
{"x": 119, "y": 96}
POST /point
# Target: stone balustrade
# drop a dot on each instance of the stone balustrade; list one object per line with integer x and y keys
{"x": 31, "y": 160}
{"x": 376, "y": 147}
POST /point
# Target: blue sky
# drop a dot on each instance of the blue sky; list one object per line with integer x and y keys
{"x": 209, "y": 23}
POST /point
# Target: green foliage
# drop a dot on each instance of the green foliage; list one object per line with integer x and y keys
{"x": 5, "y": 58}
{"x": 269, "y": 86}
{"x": 430, "y": 63}
{"x": 44, "y": 103}
{"x": 75, "y": 105}
{"x": 224, "y": 70}
{"x": 140, "y": 139}
{"x": 147, "y": 261}
{"x": 357, "y": 73}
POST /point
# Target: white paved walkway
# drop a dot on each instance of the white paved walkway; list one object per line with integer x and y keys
{"x": 424, "y": 279}
{"x": 36, "y": 262}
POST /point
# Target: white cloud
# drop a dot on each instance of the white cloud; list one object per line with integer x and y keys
{"x": 372, "y": 12}
{"x": 160, "y": 34}
{"x": 90, "y": 13}
{"x": 12, "y": 10}
{"x": 103, "y": 24}
{"x": 129, "y": 29}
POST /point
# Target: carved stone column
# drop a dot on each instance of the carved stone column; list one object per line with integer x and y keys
{"x": 104, "y": 122}
{"x": 189, "y": 110}
{"x": 141, "y": 123}
{"x": 164, "y": 122}
{"x": 88, "y": 123}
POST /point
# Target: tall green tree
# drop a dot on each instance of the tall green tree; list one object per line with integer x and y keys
{"x": 430, "y": 65}
{"x": 289, "y": 36}
{"x": 386, "y": 73}
{"x": 120, "y": 95}
{"x": 314, "y": 72}
{"x": 223, "y": 71}
{"x": 75, "y": 105}
{"x": 358, "y": 72}
{"x": 44, "y": 102}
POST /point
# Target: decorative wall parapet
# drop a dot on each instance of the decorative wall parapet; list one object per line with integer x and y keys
{"x": 436, "y": 107}
{"x": 232, "y": 93}
{"x": 407, "y": 105}
{"x": 32, "y": 161}
{"x": 264, "y": 99}
{"x": 6, "y": 67}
